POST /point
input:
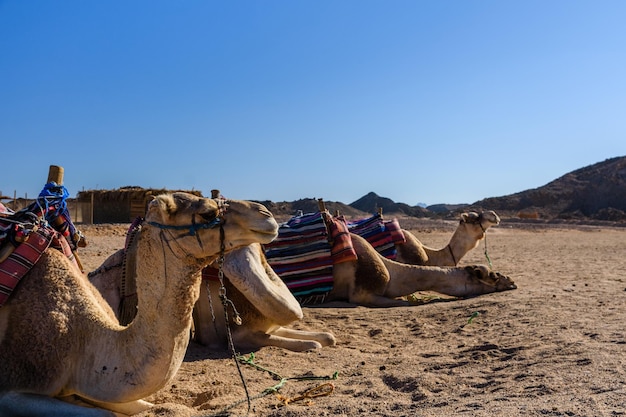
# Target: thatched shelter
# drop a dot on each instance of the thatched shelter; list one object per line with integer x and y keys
{"x": 119, "y": 206}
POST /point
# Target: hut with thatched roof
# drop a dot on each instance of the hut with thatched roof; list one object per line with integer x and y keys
{"x": 119, "y": 206}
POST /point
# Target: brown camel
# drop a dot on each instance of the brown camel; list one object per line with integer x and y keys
{"x": 471, "y": 230}
{"x": 59, "y": 339}
{"x": 266, "y": 312}
{"x": 264, "y": 303}
{"x": 375, "y": 281}
{"x": 370, "y": 279}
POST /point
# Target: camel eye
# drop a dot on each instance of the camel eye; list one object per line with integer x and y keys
{"x": 208, "y": 216}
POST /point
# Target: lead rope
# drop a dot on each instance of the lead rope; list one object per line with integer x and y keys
{"x": 226, "y": 302}
{"x": 319, "y": 391}
{"x": 486, "y": 254}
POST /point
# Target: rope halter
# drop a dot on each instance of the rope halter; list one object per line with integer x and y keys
{"x": 222, "y": 206}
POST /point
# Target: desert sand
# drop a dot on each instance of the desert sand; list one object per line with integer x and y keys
{"x": 556, "y": 346}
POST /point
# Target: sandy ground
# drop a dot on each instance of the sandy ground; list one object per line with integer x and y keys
{"x": 556, "y": 346}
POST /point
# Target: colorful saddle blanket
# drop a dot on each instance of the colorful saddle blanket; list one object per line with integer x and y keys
{"x": 305, "y": 251}
{"x": 383, "y": 235}
{"x": 26, "y": 255}
{"x": 27, "y": 233}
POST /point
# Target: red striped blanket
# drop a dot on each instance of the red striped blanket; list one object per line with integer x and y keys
{"x": 383, "y": 235}
{"x": 305, "y": 251}
{"x": 26, "y": 254}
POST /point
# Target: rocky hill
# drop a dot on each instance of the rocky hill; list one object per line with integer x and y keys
{"x": 593, "y": 193}
{"x": 310, "y": 205}
{"x": 596, "y": 192}
{"x": 371, "y": 202}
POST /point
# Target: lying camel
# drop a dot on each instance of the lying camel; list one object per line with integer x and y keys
{"x": 265, "y": 313}
{"x": 264, "y": 303}
{"x": 468, "y": 234}
{"x": 375, "y": 281}
{"x": 368, "y": 278}
{"x": 59, "y": 338}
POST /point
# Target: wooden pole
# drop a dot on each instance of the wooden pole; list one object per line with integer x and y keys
{"x": 55, "y": 174}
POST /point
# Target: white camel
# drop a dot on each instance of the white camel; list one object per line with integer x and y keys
{"x": 471, "y": 230}
{"x": 59, "y": 339}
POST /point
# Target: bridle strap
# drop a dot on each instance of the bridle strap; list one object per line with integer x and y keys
{"x": 193, "y": 228}
{"x": 452, "y": 254}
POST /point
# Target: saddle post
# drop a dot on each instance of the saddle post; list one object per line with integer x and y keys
{"x": 55, "y": 174}
{"x": 325, "y": 215}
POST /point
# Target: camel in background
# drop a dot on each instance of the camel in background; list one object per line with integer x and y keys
{"x": 471, "y": 230}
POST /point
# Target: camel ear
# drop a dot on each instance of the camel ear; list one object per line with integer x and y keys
{"x": 161, "y": 206}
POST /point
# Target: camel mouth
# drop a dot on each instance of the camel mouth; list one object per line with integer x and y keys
{"x": 266, "y": 236}
{"x": 489, "y": 217}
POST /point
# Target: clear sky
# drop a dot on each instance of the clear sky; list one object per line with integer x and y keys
{"x": 447, "y": 101}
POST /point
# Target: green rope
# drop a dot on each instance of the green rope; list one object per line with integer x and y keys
{"x": 486, "y": 254}
{"x": 270, "y": 390}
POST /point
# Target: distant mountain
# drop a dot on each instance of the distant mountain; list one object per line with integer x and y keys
{"x": 311, "y": 205}
{"x": 371, "y": 202}
{"x": 445, "y": 208}
{"x": 596, "y": 192}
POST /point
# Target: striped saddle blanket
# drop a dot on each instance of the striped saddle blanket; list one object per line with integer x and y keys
{"x": 26, "y": 234}
{"x": 383, "y": 235}
{"x": 305, "y": 251}
{"x": 25, "y": 256}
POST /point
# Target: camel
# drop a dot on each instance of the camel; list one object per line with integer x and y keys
{"x": 263, "y": 302}
{"x": 60, "y": 340}
{"x": 370, "y": 279}
{"x": 376, "y": 281}
{"x": 263, "y": 323}
{"x": 264, "y": 314}
{"x": 471, "y": 230}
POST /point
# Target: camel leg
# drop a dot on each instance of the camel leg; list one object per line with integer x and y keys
{"x": 129, "y": 408}
{"x": 14, "y": 404}
{"x": 458, "y": 282}
{"x": 374, "y": 300}
{"x": 257, "y": 340}
{"x": 324, "y": 338}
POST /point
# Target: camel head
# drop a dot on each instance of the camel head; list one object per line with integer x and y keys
{"x": 476, "y": 224}
{"x": 199, "y": 226}
{"x": 248, "y": 270}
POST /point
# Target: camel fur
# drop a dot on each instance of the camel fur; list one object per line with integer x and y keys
{"x": 375, "y": 281}
{"x": 471, "y": 230}
{"x": 264, "y": 303}
{"x": 60, "y": 340}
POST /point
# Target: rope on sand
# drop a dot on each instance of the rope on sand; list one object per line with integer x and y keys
{"x": 319, "y": 391}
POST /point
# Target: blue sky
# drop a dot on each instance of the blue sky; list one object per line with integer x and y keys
{"x": 431, "y": 102}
